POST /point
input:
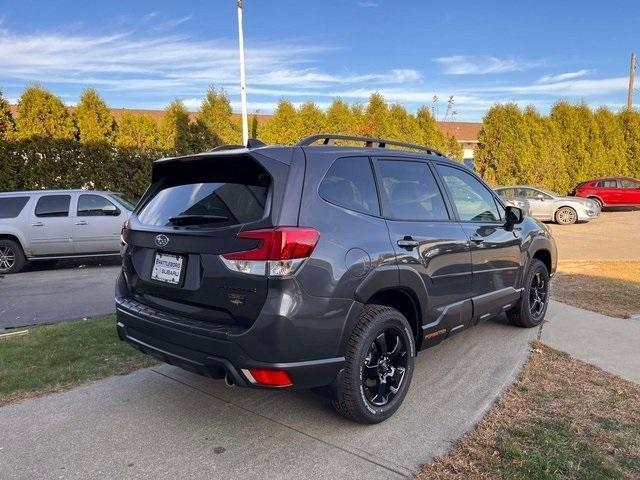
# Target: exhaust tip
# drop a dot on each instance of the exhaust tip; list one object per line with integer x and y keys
{"x": 228, "y": 380}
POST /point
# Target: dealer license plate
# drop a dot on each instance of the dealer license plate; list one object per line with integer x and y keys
{"x": 167, "y": 268}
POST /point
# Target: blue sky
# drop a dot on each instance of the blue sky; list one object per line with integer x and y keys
{"x": 142, "y": 54}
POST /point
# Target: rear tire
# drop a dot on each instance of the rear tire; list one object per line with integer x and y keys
{"x": 566, "y": 216}
{"x": 379, "y": 366}
{"x": 11, "y": 257}
{"x": 532, "y": 307}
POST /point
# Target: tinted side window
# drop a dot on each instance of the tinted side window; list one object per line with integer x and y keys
{"x": 472, "y": 199}
{"x": 506, "y": 192}
{"x": 92, "y": 205}
{"x": 410, "y": 191}
{"x": 349, "y": 183}
{"x": 11, "y": 207}
{"x": 629, "y": 184}
{"x": 53, "y": 206}
{"x": 608, "y": 184}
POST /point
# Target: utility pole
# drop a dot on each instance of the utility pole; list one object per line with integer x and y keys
{"x": 632, "y": 77}
{"x": 243, "y": 83}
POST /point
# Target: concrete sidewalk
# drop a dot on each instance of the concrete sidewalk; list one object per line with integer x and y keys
{"x": 612, "y": 344}
{"x": 167, "y": 423}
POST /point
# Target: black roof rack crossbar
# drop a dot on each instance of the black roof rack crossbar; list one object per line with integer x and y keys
{"x": 327, "y": 139}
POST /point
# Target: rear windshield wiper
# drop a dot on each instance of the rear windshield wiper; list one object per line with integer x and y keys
{"x": 197, "y": 219}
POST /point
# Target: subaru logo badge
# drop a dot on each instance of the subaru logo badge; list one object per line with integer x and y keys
{"x": 162, "y": 240}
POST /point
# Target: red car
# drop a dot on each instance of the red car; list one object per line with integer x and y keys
{"x": 611, "y": 191}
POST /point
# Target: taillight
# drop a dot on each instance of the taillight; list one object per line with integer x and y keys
{"x": 268, "y": 378}
{"x": 280, "y": 251}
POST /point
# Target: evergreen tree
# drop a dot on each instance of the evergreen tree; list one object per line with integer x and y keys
{"x": 94, "y": 119}
{"x": 215, "y": 120}
{"x": 502, "y": 139}
{"x": 402, "y": 126}
{"x": 613, "y": 156}
{"x": 341, "y": 118}
{"x": 42, "y": 114}
{"x": 139, "y": 132}
{"x": 7, "y": 124}
{"x": 283, "y": 128}
{"x": 375, "y": 121}
{"x": 174, "y": 129}
{"x": 311, "y": 120}
{"x": 452, "y": 148}
{"x": 430, "y": 134}
{"x": 630, "y": 121}
{"x": 253, "y": 126}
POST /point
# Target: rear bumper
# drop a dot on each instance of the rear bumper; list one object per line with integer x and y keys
{"x": 212, "y": 353}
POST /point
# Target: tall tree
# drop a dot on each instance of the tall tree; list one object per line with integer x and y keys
{"x": 7, "y": 123}
{"x": 630, "y": 120}
{"x": 138, "y": 132}
{"x": 401, "y": 125}
{"x": 612, "y": 142}
{"x": 375, "y": 121}
{"x": 174, "y": 129}
{"x": 502, "y": 140}
{"x": 42, "y": 114}
{"x": 94, "y": 119}
{"x": 430, "y": 134}
{"x": 215, "y": 120}
{"x": 341, "y": 118}
{"x": 283, "y": 128}
{"x": 311, "y": 120}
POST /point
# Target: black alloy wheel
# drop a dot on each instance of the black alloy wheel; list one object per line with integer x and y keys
{"x": 384, "y": 367}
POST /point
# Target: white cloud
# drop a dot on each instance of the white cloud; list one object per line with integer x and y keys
{"x": 563, "y": 76}
{"x": 467, "y": 65}
{"x": 567, "y": 88}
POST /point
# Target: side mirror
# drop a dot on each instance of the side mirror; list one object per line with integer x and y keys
{"x": 514, "y": 215}
{"x": 540, "y": 196}
{"x": 110, "y": 210}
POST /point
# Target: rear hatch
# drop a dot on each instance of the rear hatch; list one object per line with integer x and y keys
{"x": 191, "y": 214}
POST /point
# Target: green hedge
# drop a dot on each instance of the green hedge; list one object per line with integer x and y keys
{"x": 42, "y": 163}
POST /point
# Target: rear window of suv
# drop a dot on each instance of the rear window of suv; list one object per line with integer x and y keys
{"x": 10, "y": 207}
{"x": 213, "y": 200}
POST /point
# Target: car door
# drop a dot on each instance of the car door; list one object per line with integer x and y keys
{"x": 427, "y": 240}
{"x": 97, "y": 224}
{"x": 541, "y": 204}
{"x": 609, "y": 191}
{"x": 50, "y": 227}
{"x": 630, "y": 191}
{"x": 495, "y": 248}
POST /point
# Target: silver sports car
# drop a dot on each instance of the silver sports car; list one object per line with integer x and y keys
{"x": 549, "y": 206}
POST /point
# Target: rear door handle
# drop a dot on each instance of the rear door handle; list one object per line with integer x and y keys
{"x": 37, "y": 224}
{"x": 408, "y": 242}
{"x": 82, "y": 222}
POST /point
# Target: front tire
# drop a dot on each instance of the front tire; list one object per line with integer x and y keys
{"x": 11, "y": 257}
{"x": 566, "y": 216}
{"x": 598, "y": 202}
{"x": 532, "y": 308}
{"x": 379, "y": 366}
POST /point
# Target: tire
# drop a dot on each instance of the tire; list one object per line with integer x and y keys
{"x": 11, "y": 257}
{"x": 523, "y": 315}
{"x": 566, "y": 216}
{"x": 364, "y": 390}
{"x": 598, "y": 201}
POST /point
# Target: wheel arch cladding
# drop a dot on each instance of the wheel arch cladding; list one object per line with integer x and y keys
{"x": 406, "y": 303}
{"x": 544, "y": 256}
{"x": 13, "y": 238}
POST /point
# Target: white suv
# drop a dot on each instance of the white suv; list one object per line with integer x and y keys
{"x": 55, "y": 224}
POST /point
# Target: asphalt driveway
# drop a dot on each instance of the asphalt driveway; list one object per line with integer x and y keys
{"x": 164, "y": 422}
{"x": 48, "y": 295}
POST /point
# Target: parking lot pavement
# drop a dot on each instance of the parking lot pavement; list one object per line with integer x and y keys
{"x": 611, "y": 236}
{"x": 167, "y": 423}
{"x": 49, "y": 295}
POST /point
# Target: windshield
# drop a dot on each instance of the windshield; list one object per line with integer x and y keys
{"x": 124, "y": 201}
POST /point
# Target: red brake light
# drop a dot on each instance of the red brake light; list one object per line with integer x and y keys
{"x": 271, "y": 378}
{"x": 284, "y": 243}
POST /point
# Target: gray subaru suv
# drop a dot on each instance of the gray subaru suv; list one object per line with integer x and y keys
{"x": 321, "y": 265}
{"x": 48, "y": 225}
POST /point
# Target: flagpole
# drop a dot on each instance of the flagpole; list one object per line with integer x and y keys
{"x": 243, "y": 84}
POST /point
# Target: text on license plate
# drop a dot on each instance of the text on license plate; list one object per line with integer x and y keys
{"x": 167, "y": 268}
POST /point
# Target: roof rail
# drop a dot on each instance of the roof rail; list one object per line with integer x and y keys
{"x": 220, "y": 148}
{"x": 327, "y": 139}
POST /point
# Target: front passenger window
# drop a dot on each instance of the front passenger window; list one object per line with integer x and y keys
{"x": 474, "y": 202}
{"x": 90, "y": 205}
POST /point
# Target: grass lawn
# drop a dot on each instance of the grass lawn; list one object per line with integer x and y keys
{"x": 563, "y": 419}
{"x": 608, "y": 287}
{"x": 57, "y": 357}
